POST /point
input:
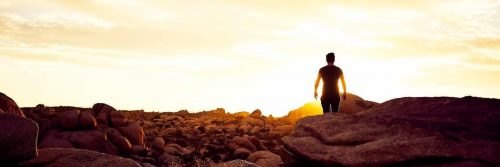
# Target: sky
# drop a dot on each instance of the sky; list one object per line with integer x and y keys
{"x": 243, "y": 55}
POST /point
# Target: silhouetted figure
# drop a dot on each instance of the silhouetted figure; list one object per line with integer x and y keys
{"x": 330, "y": 75}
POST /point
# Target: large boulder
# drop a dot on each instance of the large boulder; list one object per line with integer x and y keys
{"x": 18, "y": 138}
{"x": 56, "y": 139}
{"x": 265, "y": 159}
{"x": 9, "y": 106}
{"x": 256, "y": 113}
{"x": 69, "y": 119}
{"x": 93, "y": 140}
{"x": 133, "y": 132}
{"x": 102, "y": 112}
{"x": 117, "y": 119}
{"x": 53, "y": 157}
{"x": 403, "y": 132}
{"x": 87, "y": 120}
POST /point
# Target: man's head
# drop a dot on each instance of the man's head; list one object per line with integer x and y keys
{"x": 330, "y": 57}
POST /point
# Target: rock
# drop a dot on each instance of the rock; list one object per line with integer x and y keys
{"x": 87, "y": 120}
{"x": 133, "y": 132}
{"x": 244, "y": 142}
{"x": 117, "y": 119}
{"x": 265, "y": 159}
{"x": 175, "y": 149}
{"x": 138, "y": 150}
{"x": 9, "y": 106}
{"x": 353, "y": 104}
{"x": 52, "y": 157}
{"x": 241, "y": 153}
{"x": 256, "y": 113}
{"x": 159, "y": 143}
{"x": 168, "y": 159}
{"x": 237, "y": 162}
{"x": 56, "y": 139}
{"x": 69, "y": 119}
{"x": 122, "y": 144}
{"x": 92, "y": 140}
{"x": 257, "y": 143}
{"x": 404, "y": 132}
{"x": 102, "y": 113}
{"x": 18, "y": 138}
{"x": 242, "y": 114}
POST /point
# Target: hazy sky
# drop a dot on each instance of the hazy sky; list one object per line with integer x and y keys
{"x": 199, "y": 55}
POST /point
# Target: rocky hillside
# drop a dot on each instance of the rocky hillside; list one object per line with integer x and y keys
{"x": 403, "y": 132}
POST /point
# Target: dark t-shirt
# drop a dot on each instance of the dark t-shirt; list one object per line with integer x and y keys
{"x": 330, "y": 76}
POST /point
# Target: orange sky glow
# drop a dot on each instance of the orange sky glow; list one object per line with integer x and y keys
{"x": 243, "y": 55}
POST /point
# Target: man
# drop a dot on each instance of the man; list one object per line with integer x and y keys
{"x": 330, "y": 75}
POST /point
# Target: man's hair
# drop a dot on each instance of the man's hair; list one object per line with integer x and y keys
{"x": 330, "y": 57}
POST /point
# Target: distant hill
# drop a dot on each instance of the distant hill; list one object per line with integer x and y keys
{"x": 353, "y": 104}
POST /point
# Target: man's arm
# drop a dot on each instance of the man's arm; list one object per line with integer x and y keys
{"x": 316, "y": 86}
{"x": 343, "y": 86}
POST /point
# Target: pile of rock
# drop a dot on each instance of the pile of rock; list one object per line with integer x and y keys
{"x": 211, "y": 136}
{"x": 102, "y": 129}
{"x": 18, "y": 144}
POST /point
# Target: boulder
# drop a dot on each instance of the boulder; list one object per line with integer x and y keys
{"x": 237, "y": 162}
{"x": 87, "y": 120}
{"x": 158, "y": 143}
{"x": 256, "y": 114}
{"x": 265, "y": 159}
{"x": 9, "y": 106}
{"x": 102, "y": 113}
{"x": 138, "y": 150}
{"x": 241, "y": 153}
{"x": 92, "y": 140}
{"x": 133, "y": 132}
{"x": 168, "y": 159}
{"x": 403, "y": 132}
{"x": 117, "y": 119}
{"x": 69, "y": 119}
{"x": 18, "y": 138}
{"x": 53, "y": 157}
{"x": 56, "y": 139}
{"x": 122, "y": 144}
{"x": 244, "y": 142}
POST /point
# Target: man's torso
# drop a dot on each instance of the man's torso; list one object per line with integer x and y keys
{"x": 330, "y": 75}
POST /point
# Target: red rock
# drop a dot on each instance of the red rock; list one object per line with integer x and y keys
{"x": 87, "y": 120}
{"x": 102, "y": 113}
{"x": 159, "y": 143}
{"x": 122, "y": 144}
{"x": 69, "y": 119}
{"x": 403, "y": 132}
{"x": 18, "y": 138}
{"x": 93, "y": 140}
{"x": 52, "y": 157}
{"x": 256, "y": 113}
{"x": 117, "y": 119}
{"x": 241, "y": 153}
{"x": 138, "y": 150}
{"x": 265, "y": 159}
{"x": 9, "y": 106}
{"x": 133, "y": 132}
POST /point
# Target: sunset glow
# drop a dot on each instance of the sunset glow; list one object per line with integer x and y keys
{"x": 201, "y": 55}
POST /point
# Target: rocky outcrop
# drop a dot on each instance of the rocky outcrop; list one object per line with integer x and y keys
{"x": 53, "y": 157}
{"x": 352, "y": 104}
{"x": 18, "y": 138}
{"x": 9, "y": 106}
{"x": 403, "y": 132}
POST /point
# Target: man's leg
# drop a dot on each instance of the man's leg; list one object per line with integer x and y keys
{"x": 335, "y": 104}
{"x": 325, "y": 104}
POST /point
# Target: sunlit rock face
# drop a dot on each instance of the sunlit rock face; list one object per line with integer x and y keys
{"x": 352, "y": 104}
{"x": 403, "y": 132}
